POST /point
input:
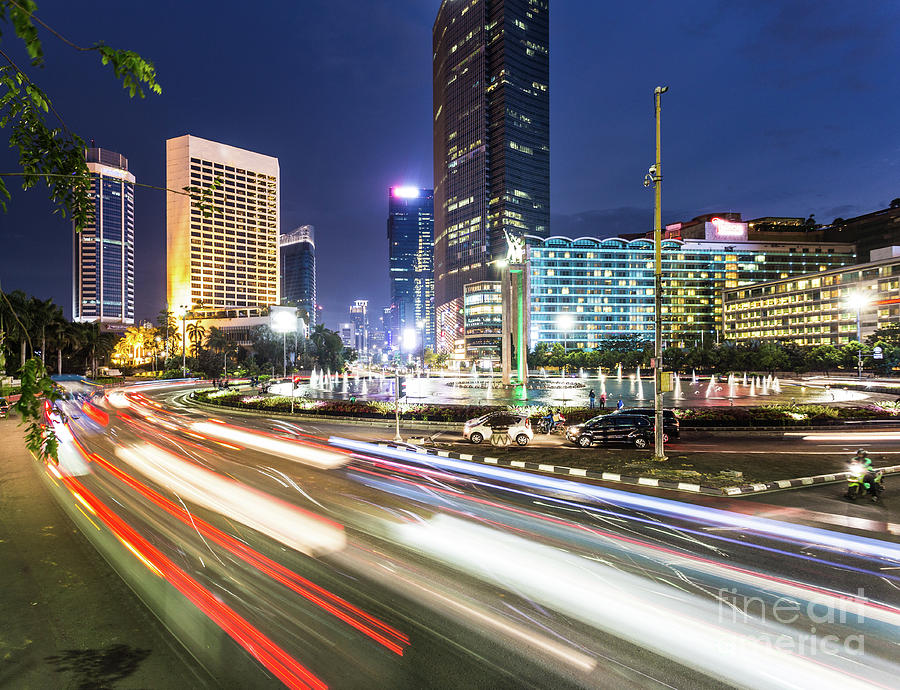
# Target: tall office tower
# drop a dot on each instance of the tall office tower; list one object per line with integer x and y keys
{"x": 491, "y": 141}
{"x": 223, "y": 256}
{"x": 359, "y": 316}
{"x": 103, "y": 276}
{"x": 410, "y": 232}
{"x": 298, "y": 271}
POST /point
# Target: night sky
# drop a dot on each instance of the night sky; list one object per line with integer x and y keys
{"x": 774, "y": 108}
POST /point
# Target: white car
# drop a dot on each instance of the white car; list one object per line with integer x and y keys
{"x": 476, "y": 430}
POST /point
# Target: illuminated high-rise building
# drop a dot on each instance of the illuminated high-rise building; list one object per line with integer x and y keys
{"x": 491, "y": 112}
{"x": 298, "y": 271}
{"x": 103, "y": 277}
{"x": 359, "y": 316}
{"x": 222, "y": 251}
{"x": 410, "y": 232}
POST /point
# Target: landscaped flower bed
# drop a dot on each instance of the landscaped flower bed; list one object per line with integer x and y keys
{"x": 764, "y": 415}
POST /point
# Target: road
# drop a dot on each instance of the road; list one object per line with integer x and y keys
{"x": 326, "y": 561}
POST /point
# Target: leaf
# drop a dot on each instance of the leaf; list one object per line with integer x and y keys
{"x": 38, "y": 392}
{"x": 131, "y": 68}
{"x": 20, "y": 16}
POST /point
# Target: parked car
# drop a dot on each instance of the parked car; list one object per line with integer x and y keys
{"x": 476, "y": 430}
{"x": 671, "y": 425}
{"x": 630, "y": 429}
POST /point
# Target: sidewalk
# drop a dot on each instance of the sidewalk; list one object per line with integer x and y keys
{"x": 68, "y": 621}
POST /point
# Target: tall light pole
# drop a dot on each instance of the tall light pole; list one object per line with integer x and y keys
{"x": 184, "y": 312}
{"x": 565, "y": 323}
{"x": 857, "y": 301}
{"x": 654, "y": 177}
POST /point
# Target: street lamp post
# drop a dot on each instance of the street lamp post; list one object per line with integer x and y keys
{"x": 654, "y": 177}
{"x": 857, "y": 301}
{"x": 184, "y": 312}
{"x": 565, "y": 323}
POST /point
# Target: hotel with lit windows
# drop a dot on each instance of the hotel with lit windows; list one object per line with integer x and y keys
{"x": 606, "y": 285}
{"x": 222, "y": 261}
{"x": 823, "y": 308}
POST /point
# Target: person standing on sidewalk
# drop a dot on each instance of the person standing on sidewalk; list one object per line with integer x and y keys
{"x": 591, "y": 397}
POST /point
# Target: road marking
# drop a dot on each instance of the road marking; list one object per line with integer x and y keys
{"x": 577, "y": 472}
{"x": 648, "y": 481}
{"x": 612, "y": 476}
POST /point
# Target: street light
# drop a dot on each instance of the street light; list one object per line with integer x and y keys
{"x": 858, "y": 300}
{"x": 182, "y": 311}
{"x": 283, "y": 320}
{"x": 565, "y": 323}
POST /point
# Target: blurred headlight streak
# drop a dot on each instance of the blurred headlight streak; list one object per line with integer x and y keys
{"x": 299, "y": 452}
{"x": 771, "y": 528}
{"x": 283, "y": 522}
{"x": 678, "y": 626}
{"x": 118, "y": 399}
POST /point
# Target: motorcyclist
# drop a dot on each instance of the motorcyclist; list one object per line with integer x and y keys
{"x": 558, "y": 420}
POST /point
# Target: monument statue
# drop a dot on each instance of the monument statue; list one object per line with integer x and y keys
{"x": 515, "y": 248}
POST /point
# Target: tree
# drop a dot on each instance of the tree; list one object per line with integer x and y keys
{"x": 195, "y": 333}
{"x": 54, "y": 155}
{"x": 895, "y": 203}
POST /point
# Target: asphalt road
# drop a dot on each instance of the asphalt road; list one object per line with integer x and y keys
{"x": 330, "y": 562}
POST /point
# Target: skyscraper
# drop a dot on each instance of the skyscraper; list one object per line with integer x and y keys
{"x": 224, "y": 257}
{"x": 298, "y": 271}
{"x": 103, "y": 276}
{"x": 491, "y": 141}
{"x": 410, "y": 232}
{"x": 359, "y": 316}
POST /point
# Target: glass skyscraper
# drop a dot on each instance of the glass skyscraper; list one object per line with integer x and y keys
{"x": 103, "y": 277}
{"x": 491, "y": 110}
{"x": 298, "y": 271}
{"x": 410, "y": 233}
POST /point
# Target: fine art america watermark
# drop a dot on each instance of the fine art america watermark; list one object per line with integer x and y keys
{"x": 818, "y": 617}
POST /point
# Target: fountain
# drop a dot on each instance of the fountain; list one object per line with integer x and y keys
{"x": 776, "y": 385}
{"x": 581, "y": 373}
{"x": 677, "y": 391}
{"x": 710, "y": 389}
{"x": 744, "y": 382}
{"x": 344, "y": 384}
{"x": 640, "y": 388}
{"x": 619, "y": 371}
{"x": 364, "y": 390}
{"x": 693, "y": 376}
{"x": 638, "y": 373}
{"x": 753, "y": 387}
{"x": 731, "y": 379}
{"x": 543, "y": 373}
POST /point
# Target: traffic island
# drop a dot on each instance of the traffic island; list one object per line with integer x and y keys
{"x": 718, "y": 474}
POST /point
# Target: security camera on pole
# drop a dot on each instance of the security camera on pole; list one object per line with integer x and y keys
{"x": 654, "y": 177}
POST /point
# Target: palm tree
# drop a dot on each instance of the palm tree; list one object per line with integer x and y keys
{"x": 63, "y": 337}
{"x": 195, "y": 333}
{"x": 43, "y": 314}
{"x": 17, "y": 316}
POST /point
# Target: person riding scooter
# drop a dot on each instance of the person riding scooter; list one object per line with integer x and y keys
{"x": 863, "y": 478}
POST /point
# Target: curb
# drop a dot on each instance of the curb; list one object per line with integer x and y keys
{"x": 638, "y": 481}
{"x": 565, "y": 471}
{"x": 794, "y": 483}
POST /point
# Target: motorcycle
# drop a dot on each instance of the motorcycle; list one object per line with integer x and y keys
{"x": 863, "y": 481}
{"x": 546, "y": 426}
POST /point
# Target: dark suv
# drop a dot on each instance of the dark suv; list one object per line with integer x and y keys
{"x": 671, "y": 425}
{"x": 632, "y": 429}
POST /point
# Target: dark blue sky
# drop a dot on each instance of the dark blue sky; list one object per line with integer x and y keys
{"x": 774, "y": 108}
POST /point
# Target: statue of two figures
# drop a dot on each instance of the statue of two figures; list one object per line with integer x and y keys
{"x": 515, "y": 248}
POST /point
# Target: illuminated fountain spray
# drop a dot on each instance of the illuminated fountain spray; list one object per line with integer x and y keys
{"x": 581, "y": 374}
{"x": 364, "y": 389}
{"x": 765, "y": 386}
{"x": 637, "y": 373}
{"x": 744, "y": 382}
{"x": 640, "y": 386}
{"x": 474, "y": 372}
{"x": 543, "y": 373}
{"x": 776, "y": 385}
{"x": 753, "y": 387}
{"x": 602, "y": 386}
{"x": 710, "y": 389}
{"x": 619, "y": 371}
{"x": 678, "y": 394}
{"x": 731, "y": 383}
{"x": 344, "y": 384}
{"x": 693, "y": 376}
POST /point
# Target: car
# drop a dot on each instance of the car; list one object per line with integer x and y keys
{"x": 671, "y": 425}
{"x": 476, "y": 430}
{"x": 631, "y": 429}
